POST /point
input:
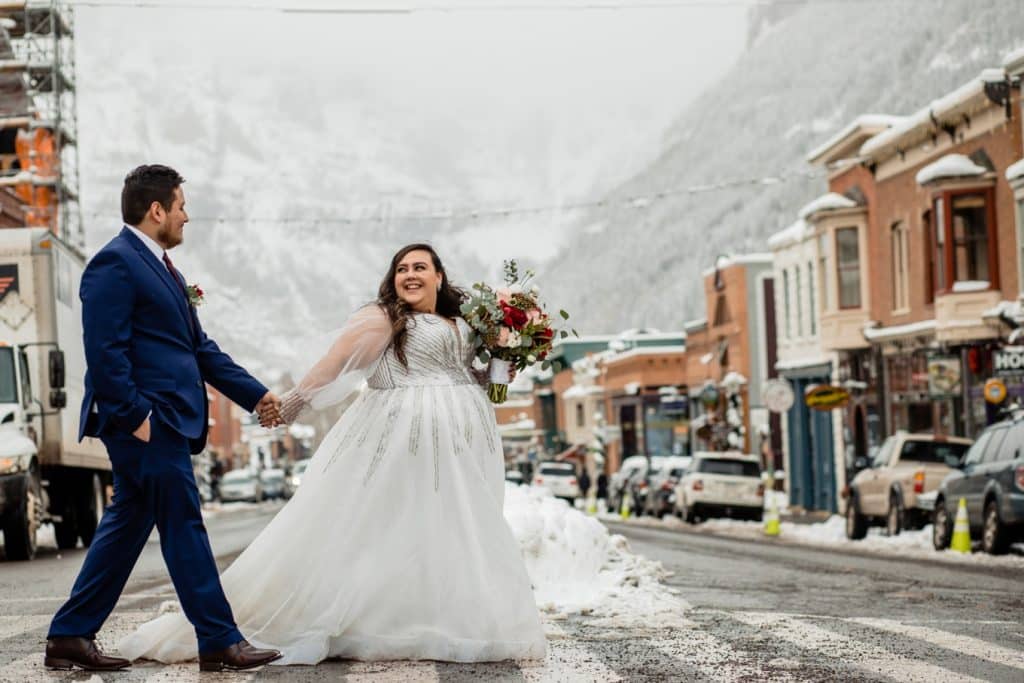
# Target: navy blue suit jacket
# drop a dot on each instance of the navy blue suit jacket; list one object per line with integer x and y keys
{"x": 146, "y": 351}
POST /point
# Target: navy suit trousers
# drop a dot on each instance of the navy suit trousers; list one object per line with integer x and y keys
{"x": 153, "y": 485}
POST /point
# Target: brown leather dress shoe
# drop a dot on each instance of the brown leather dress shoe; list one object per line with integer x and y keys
{"x": 66, "y": 653}
{"x": 239, "y": 656}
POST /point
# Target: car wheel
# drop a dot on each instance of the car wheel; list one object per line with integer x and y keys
{"x": 994, "y": 537}
{"x": 894, "y": 518}
{"x": 686, "y": 513}
{"x": 942, "y": 529}
{"x": 856, "y": 523}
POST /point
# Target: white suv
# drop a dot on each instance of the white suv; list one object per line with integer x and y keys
{"x": 560, "y": 479}
{"x": 721, "y": 485}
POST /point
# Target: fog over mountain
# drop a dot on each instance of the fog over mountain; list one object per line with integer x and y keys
{"x": 315, "y": 145}
{"x": 810, "y": 69}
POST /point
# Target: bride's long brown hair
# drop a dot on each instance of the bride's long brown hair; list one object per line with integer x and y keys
{"x": 449, "y": 298}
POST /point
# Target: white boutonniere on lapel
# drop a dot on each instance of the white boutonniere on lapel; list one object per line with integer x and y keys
{"x": 196, "y": 297}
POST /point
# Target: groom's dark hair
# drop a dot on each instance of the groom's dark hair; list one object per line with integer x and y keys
{"x": 145, "y": 185}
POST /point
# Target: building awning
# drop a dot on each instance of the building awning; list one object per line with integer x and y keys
{"x": 883, "y": 334}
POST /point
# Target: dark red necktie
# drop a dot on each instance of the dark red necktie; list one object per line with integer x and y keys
{"x": 181, "y": 284}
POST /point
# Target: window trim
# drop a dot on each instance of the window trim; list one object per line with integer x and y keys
{"x": 838, "y": 266}
{"x": 949, "y": 260}
{"x": 899, "y": 240}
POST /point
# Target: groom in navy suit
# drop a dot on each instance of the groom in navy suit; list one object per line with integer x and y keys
{"x": 148, "y": 360}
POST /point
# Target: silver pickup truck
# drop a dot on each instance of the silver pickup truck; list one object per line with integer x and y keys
{"x": 906, "y": 466}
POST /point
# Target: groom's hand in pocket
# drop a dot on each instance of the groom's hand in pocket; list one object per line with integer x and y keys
{"x": 142, "y": 433}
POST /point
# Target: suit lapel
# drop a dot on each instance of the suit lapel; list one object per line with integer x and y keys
{"x": 165, "y": 276}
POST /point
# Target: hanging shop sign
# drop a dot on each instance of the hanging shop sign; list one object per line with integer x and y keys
{"x": 778, "y": 395}
{"x": 1008, "y": 362}
{"x": 826, "y": 397}
{"x": 995, "y": 390}
{"x": 944, "y": 376}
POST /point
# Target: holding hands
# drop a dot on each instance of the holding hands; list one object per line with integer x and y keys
{"x": 269, "y": 410}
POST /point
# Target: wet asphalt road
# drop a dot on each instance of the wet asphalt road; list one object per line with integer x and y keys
{"x": 758, "y": 611}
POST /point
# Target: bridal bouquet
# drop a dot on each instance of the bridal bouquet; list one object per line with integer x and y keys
{"x": 510, "y": 327}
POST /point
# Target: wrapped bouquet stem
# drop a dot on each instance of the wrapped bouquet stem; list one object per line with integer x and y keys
{"x": 497, "y": 391}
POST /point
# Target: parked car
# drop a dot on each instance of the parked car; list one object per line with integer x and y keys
{"x": 620, "y": 481}
{"x": 241, "y": 485}
{"x": 991, "y": 480}
{"x": 560, "y": 479}
{"x": 272, "y": 480}
{"x": 294, "y": 480}
{"x": 514, "y": 476}
{"x": 661, "y": 497}
{"x": 906, "y": 466}
{"x": 721, "y": 485}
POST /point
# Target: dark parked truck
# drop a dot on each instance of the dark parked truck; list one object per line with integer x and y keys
{"x": 46, "y": 474}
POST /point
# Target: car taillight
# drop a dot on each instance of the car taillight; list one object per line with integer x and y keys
{"x": 760, "y": 489}
{"x": 1020, "y": 477}
{"x": 538, "y": 480}
{"x": 918, "y": 482}
{"x": 572, "y": 481}
{"x": 643, "y": 485}
{"x": 667, "y": 486}
{"x": 698, "y": 485}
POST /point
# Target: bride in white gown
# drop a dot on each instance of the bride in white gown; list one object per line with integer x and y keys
{"x": 395, "y": 546}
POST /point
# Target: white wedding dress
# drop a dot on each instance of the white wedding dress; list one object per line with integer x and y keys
{"x": 394, "y": 546}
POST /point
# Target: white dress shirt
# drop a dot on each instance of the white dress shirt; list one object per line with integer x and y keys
{"x": 150, "y": 243}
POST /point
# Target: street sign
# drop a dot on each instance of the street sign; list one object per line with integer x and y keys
{"x": 827, "y": 397}
{"x": 778, "y": 395}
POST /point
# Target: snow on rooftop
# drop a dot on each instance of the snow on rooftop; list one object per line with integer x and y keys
{"x": 1016, "y": 170}
{"x": 582, "y": 391}
{"x": 791, "y": 235}
{"x": 861, "y": 122}
{"x": 923, "y": 116}
{"x": 949, "y": 166}
{"x": 993, "y": 76}
{"x": 830, "y": 201}
{"x": 1015, "y": 58}
{"x": 897, "y": 331}
{"x": 739, "y": 260}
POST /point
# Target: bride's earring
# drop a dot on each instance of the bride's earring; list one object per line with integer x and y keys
{"x": 439, "y": 285}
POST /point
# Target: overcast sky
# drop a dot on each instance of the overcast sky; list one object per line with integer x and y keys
{"x": 614, "y": 78}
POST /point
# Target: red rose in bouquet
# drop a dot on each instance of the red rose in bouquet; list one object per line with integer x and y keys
{"x": 514, "y": 317}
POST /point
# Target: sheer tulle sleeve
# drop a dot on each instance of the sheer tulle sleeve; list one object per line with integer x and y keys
{"x": 333, "y": 367}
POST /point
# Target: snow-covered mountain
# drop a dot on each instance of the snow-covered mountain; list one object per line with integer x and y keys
{"x": 304, "y": 176}
{"x": 810, "y": 69}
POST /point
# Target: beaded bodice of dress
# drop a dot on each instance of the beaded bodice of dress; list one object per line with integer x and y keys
{"x": 438, "y": 353}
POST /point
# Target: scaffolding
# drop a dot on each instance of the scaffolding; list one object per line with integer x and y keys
{"x": 38, "y": 114}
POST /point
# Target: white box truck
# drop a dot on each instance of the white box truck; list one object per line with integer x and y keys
{"x": 46, "y": 474}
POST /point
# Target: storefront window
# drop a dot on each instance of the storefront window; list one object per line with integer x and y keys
{"x": 848, "y": 266}
{"x": 799, "y": 302}
{"x": 666, "y": 425}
